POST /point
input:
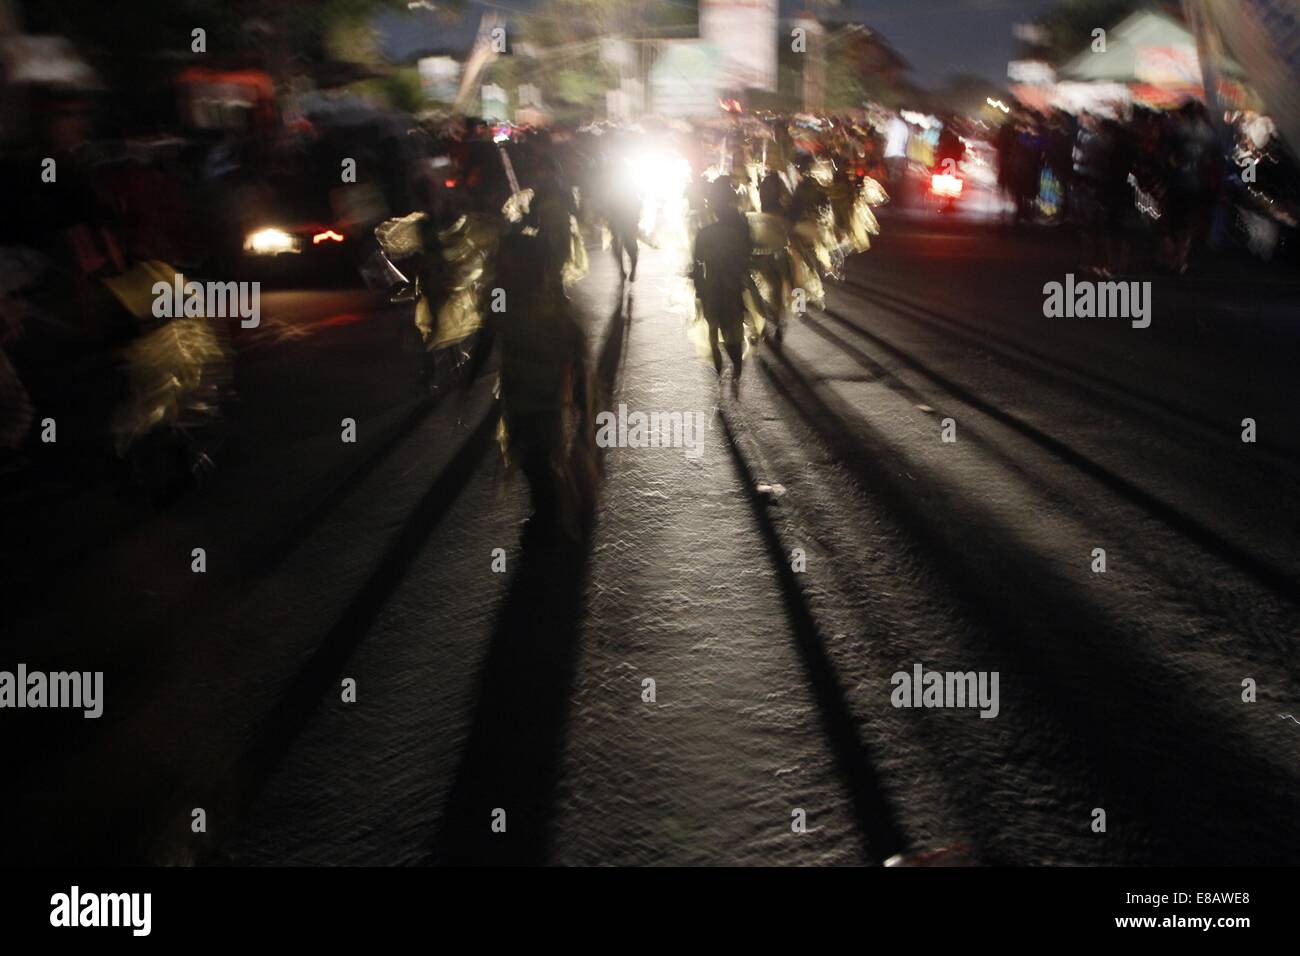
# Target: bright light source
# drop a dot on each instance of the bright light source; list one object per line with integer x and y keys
{"x": 329, "y": 235}
{"x": 943, "y": 184}
{"x": 270, "y": 242}
{"x": 660, "y": 175}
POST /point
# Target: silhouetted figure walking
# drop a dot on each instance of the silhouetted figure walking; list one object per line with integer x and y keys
{"x": 545, "y": 399}
{"x": 721, "y": 275}
{"x": 623, "y": 214}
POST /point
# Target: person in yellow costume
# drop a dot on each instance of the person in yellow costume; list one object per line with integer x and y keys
{"x": 545, "y": 393}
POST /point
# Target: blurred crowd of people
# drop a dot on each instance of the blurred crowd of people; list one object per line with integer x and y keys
{"x": 753, "y": 210}
{"x": 445, "y": 214}
{"x": 1164, "y": 180}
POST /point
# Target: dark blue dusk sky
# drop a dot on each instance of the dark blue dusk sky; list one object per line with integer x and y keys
{"x": 938, "y": 37}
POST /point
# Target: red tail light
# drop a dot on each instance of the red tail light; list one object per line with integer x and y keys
{"x": 329, "y": 235}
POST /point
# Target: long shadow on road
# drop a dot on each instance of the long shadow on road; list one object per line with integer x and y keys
{"x": 1194, "y": 788}
{"x": 319, "y": 674}
{"x": 501, "y": 805}
{"x": 512, "y": 757}
{"x": 880, "y": 831}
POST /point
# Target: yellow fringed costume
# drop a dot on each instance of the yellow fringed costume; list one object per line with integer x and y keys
{"x": 176, "y": 368}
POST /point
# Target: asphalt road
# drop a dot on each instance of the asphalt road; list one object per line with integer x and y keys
{"x": 525, "y": 690}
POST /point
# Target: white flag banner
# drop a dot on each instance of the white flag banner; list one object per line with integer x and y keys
{"x": 1264, "y": 36}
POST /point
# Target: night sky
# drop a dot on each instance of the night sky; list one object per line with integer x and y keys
{"x": 938, "y": 37}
